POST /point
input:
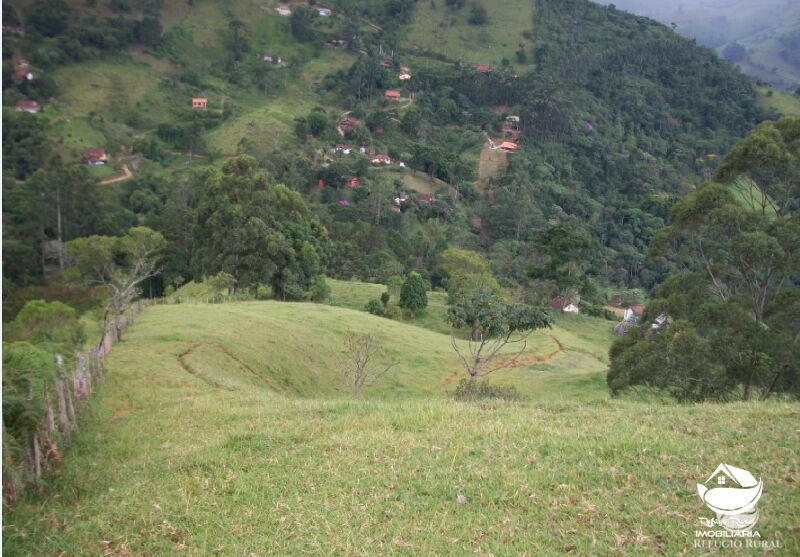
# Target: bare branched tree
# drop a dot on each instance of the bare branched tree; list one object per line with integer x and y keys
{"x": 119, "y": 264}
{"x": 357, "y": 362}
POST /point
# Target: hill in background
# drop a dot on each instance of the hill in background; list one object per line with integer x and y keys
{"x": 761, "y": 37}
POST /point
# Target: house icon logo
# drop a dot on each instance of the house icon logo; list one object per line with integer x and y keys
{"x": 732, "y": 493}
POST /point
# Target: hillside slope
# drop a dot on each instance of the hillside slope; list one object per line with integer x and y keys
{"x": 167, "y": 462}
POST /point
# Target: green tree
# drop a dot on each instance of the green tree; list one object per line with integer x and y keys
{"x": 257, "y": 232}
{"x": 491, "y": 323}
{"x": 300, "y": 23}
{"x": 119, "y": 264}
{"x": 413, "y": 296}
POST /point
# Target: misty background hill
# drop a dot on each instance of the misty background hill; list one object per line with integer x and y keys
{"x": 761, "y": 36}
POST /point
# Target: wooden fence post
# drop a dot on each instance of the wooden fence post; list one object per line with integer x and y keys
{"x": 49, "y": 420}
{"x": 36, "y": 456}
{"x": 63, "y": 420}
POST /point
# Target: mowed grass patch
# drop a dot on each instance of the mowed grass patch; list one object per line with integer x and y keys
{"x": 437, "y": 29}
{"x": 167, "y": 463}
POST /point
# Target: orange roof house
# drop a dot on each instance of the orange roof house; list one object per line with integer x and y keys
{"x": 483, "y": 68}
{"x": 199, "y": 103}
{"x": 509, "y": 145}
{"x": 392, "y": 94}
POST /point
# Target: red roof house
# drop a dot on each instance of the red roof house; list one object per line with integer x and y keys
{"x": 96, "y": 156}
{"x": 27, "y": 106}
{"x": 199, "y": 103}
{"x": 393, "y": 94}
{"x": 381, "y": 159}
{"x": 562, "y": 304}
{"x": 426, "y": 197}
{"x": 354, "y": 181}
{"x": 483, "y": 68}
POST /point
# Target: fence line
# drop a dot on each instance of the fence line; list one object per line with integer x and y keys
{"x": 63, "y": 403}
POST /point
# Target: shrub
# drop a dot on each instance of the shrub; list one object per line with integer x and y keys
{"x": 319, "y": 291}
{"x": 481, "y": 390}
{"x": 53, "y": 323}
{"x": 385, "y": 299}
{"x": 412, "y": 295}
{"x": 375, "y": 307}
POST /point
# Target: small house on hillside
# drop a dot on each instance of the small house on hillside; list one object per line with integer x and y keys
{"x": 349, "y": 123}
{"x": 274, "y": 58}
{"x": 483, "y": 68}
{"x": 386, "y": 63}
{"x": 392, "y": 94}
{"x": 199, "y": 103}
{"x": 27, "y": 106}
{"x": 324, "y": 12}
{"x": 509, "y": 146}
{"x": 562, "y": 304}
{"x": 94, "y": 156}
{"x": 283, "y": 10}
{"x": 634, "y": 311}
{"x": 381, "y": 159}
{"x": 344, "y": 148}
{"x": 405, "y": 76}
{"x": 426, "y": 198}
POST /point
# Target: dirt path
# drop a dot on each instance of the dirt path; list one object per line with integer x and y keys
{"x": 185, "y": 365}
{"x": 126, "y": 173}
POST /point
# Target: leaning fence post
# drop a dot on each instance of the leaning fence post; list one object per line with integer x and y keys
{"x": 63, "y": 418}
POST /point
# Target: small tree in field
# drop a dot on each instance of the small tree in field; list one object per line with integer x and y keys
{"x": 412, "y": 295}
{"x": 357, "y": 362}
{"x": 492, "y": 323}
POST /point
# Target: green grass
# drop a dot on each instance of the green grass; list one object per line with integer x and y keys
{"x": 436, "y": 29}
{"x": 168, "y": 461}
{"x": 786, "y": 104}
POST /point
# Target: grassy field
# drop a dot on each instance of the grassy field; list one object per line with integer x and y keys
{"x": 219, "y": 429}
{"x": 786, "y": 104}
{"x": 437, "y": 29}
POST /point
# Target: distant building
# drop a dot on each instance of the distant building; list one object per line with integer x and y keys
{"x": 324, "y": 12}
{"x": 483, "y": 68}
{"x": 283, "y": 10}
{"x": 562, "y": 304}
{"x": 344, "y": 148}
{"x": 381, "y": 159}
{"x": 94, "y": 156}
{"x": 426, "y": 197}
{"x": 634, "y": 311}
{"x": 509, "y": 146}
{"x": 404, "y": 76}
{"x": 392, "y": 94}
{"x": 272, "y": 58}
{"x": 354, "y": 181}
{"x": 199, "y": 103}
{"x": 27, "y": 106}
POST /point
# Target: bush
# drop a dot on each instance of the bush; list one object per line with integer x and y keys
{"x": 52, "y": 323}
{"x": 319, "y": 291}
{"x": 263, "y": 292}
{"x": 375, "y": 307}
{"x": 468, "y": 390}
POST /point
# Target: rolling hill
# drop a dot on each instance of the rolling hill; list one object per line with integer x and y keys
{"x": 220, "y": 429}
